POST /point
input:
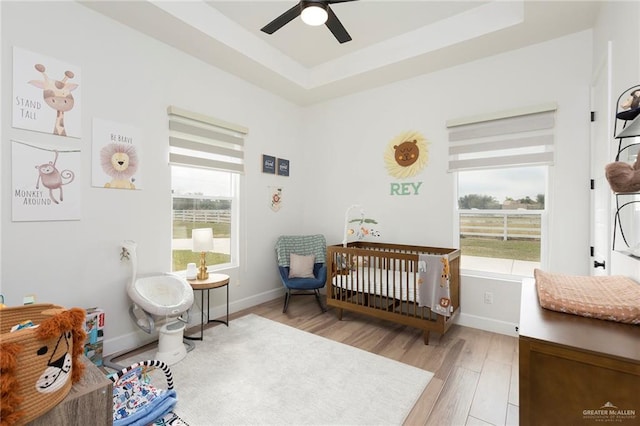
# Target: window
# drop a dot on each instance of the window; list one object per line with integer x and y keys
{"x": 501, "y": 213}
{"x": 501, "y": 161}
{"x": 203, "y": 198}
{"x": 206, "y": 157}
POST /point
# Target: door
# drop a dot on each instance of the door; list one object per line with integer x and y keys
{"x": 601, "y": 140}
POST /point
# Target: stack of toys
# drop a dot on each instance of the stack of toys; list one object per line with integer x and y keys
{"x": 94, "y": 326}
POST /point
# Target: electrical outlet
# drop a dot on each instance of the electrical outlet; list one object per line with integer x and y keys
{"x": 29, "y": 299}
{"x": 488, "y": 297}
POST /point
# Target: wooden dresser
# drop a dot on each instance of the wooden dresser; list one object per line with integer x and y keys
{"x": 89, "y": 402}
{"x": 576, "y": 370}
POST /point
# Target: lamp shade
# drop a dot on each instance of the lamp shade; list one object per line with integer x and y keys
{"x": 631, "y": 130}
{"x": 202, "y": 239}
{"x": 314, "y": 15}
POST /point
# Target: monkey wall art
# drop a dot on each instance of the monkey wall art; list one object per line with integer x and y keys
{"x": 52, "y": 179}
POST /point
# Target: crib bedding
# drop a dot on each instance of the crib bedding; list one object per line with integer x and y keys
{"x": 381, "y": 282}
{"x": 613, "y": 298}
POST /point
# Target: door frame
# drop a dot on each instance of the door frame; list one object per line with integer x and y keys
{"x": 600, "y": 154}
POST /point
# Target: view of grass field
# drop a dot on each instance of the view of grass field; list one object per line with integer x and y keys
{"x": 182, "y": 229}
{"x": 182, "y": 257}
{"x": 501, "y": 234}
{"x": 498, "y": 248}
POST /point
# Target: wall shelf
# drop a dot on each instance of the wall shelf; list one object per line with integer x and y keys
{"x": 626, "y": 222}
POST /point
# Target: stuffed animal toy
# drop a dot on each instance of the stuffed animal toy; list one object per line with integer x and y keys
{"x": 623, "y": 177}
{"x": 630, "y": 107}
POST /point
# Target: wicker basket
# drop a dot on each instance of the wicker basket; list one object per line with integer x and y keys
{"x": 37, "y": 364}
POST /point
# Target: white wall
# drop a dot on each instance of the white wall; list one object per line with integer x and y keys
{"x": 347, "y": 138}
{"x": 336, "y": 151}
{"x": 130, "y": 78}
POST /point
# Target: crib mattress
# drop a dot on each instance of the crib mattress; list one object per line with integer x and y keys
{"x": 380, "y": 282}
{"x": 613, "y": 298}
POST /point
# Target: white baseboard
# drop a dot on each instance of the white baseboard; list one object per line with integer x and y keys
{"x": 251, "y": 301}
{"x": 137, "y": 338}
{"x": 487, "y": 324}
{"x": 127, "y": 342}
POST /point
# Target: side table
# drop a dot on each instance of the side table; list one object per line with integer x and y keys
{"x": 214, "y": 281}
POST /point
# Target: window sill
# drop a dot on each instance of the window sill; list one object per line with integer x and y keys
{"x": 212, "y": 269}
{"x": 493, "y": 275}
{"x": 497, "y": 267}
{"x": 222, "y": 268}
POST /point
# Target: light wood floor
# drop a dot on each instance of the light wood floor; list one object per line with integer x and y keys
{"x": 475, "y": 372}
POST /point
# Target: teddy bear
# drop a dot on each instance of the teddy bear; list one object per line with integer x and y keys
{"x": 623, "y": 177}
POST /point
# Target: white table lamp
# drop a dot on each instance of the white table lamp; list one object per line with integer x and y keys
{"x": 202, "y": 242}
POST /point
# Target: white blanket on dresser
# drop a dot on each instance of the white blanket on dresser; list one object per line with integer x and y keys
{"x": 433, "y": 289}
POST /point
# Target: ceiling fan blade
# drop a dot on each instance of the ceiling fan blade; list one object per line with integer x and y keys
{"x": 336, "y": 27}
{"x": 338, "y": 1}
{"x": 282, "y": 20}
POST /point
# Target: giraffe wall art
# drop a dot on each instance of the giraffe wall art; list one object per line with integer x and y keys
{"x": 56, "y": 94}
{"x": 46, "y": 94}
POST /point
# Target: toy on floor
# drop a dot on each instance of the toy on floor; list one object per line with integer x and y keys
{"x": 135, "y": 400}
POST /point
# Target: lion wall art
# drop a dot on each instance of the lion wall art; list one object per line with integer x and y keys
{"x": 116, "y": 155}
{"x": 406, "y": 156}
{"x": 120, "y": 161}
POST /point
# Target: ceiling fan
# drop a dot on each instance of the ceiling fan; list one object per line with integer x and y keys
{"x": 312, "y": 12}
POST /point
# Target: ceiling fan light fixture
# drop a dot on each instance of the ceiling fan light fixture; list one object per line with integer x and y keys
{"x": 314, "y": 14}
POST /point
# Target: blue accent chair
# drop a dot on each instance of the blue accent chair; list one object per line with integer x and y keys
{"x": 302, "y": 245}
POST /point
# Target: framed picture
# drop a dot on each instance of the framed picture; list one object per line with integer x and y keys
{"x": 268, "y": 164}
{"x": 275, "y": 197}
{"x": 116, "y": 155}
{"x": 39, "y": 82}
{"x": 283, "y": 167}
{"x": 50, "y": 191}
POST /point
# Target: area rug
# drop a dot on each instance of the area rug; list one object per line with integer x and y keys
{"x": 258, "y": 371}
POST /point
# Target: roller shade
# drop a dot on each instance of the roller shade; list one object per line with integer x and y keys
{"x": 523, "y": 137}
{"x": 202, "y": 141}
